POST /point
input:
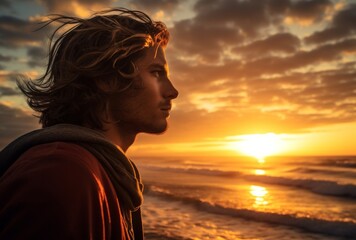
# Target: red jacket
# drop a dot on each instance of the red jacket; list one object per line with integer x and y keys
{"x": 59, "y": 191}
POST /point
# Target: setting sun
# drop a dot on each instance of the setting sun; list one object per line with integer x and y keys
{"x": 258, "y": 145}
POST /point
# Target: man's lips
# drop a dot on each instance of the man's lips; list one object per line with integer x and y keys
{"x": 166, "y": 107}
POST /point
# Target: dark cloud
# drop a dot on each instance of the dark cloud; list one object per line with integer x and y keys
{"x": 37, "y": 56}
{"x": 5, "y": 4}
{"x": 346, "y": 18}
{"x": 246, "y": 16}
{"x": 348, "y": 65}
{"x": 274, "y": 79}
{"x": 221, "y": 24}
{"x": 201, "y": 77}
{"x": 16, "y": 32}
{"x": 278, "y": 7}
{"x": 328, "y": 94}
{"x": 153, "y": 6}
{"x": 338, "y": 88}
{"x": 4, "y": 58}
{"x": 271, "y": 82}
{"x": 7, "y": 91}
{"x": 296, "y": 99}
{"x": 6, "y": 76}
{"x": 11, "y": 5}
{"x": 217, "y": 25}
{"x": 203, "y": 40}
{"x": 252, "y": 17}
{"x": 343, "y": 25}
{"x": 301, "y": 11}
{"x": 14, "y": 122}
{"x": 324, "y": 53}
{"x": 278, "y": 43}
{"x": 67, "y": 7}
{"x": 313, "y": 10}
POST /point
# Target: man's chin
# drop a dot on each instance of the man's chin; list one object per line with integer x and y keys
{"x": 159, "y": 129}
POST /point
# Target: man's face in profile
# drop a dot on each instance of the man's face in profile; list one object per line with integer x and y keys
{"x": 146, "y": 105}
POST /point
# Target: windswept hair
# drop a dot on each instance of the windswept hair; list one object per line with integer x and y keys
{"x": 103, "y": 48}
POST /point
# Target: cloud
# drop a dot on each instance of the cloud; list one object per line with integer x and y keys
{"x": 13, "y": 4}
{"x": 343, "y": 25}
{"x": 277, "y": 43}
{"x": 14, "y": 122}
{"x": 7, "y": 76}
{"x": 216, "y": 25}
{"x": 202, "y": 40}
{"x": 37, "y": 56}
{"x": 273, "y": 90}
{"x": 167, "y": 6}
{"x": 248, "y": 17}
{"x": 271, "y": 77}
{"x": 279, "y": 65}
{"x": 223, "y": 24}
{"x": 307, "y": 12}
{"x": 7, "y": 91}
{"x": 314, "y": 97}
{"x": 239, "y": 66}
{"x": 82, "y": 8}
{"x": 5, "y": 4}
{"x": 16, "y": 32}
{"x": 4, "y": 58}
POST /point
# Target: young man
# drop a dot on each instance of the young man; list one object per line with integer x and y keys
{"x": 106, "y": 81}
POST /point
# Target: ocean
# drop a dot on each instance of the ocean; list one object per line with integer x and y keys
{"x": 240, "y": 198}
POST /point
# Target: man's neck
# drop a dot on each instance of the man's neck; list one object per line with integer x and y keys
{"x": 120, "y": 138}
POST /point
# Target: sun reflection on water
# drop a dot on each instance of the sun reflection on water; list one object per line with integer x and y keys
{"x": 260, "y": 172}
{"x": 259, "y": 193}
{"x": 260, "y": 159}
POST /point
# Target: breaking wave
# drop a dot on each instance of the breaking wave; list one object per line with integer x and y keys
{"x": 335, "y": 228}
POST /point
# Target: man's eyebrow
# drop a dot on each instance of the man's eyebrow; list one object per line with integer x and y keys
{"x": 157, "y": 65}
{"x": 161, "y": 67}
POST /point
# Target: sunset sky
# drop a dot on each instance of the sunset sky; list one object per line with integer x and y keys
{"x": 253, "y": 73}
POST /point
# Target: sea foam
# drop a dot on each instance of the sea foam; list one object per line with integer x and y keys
{"x": 318, "y": 186}
{"x": 335, "y": 228}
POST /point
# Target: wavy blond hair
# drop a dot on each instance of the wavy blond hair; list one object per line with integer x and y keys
{"x": 104, "y": 48}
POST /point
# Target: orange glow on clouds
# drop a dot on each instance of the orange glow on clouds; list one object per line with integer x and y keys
{"x": 329, "y": 140}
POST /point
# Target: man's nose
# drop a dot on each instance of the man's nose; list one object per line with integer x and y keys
{"x": 171, "y": 92}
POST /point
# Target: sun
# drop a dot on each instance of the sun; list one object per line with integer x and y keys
{"x": 258, "y": 146}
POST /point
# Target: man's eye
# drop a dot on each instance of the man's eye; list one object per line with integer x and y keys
{"x": 158, "y": 73}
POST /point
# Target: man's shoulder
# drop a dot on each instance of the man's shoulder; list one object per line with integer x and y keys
{"x": 60, "y": 152}
{"x": 59, "y": 148}
{"x": 58, "y": 186}
{"x": 56, "y": 169}
{"x": 57, "y": 160}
